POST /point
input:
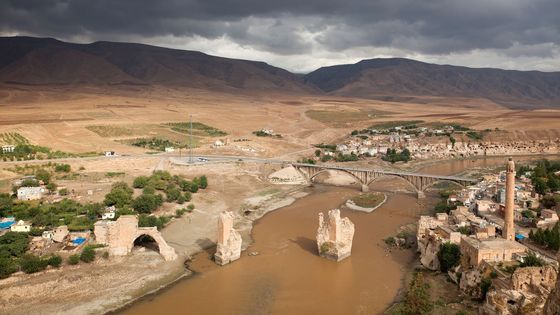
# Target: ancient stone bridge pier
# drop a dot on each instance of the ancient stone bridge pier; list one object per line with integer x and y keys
{"x": 367, "y": 176}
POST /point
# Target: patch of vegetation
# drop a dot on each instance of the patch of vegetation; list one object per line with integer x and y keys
{"x": 114, "y": 174}
{"x": 449, "y": 256}
{"x": 346, "y": 157}
{"x": 111, "y": 130}
{"x": 88, "y": 254}
{"x": 199, "y": 128}
{"x": 330, "y": 147}
{"x": 149, "y": 220}
{"x": 393, "y": 124}
{"x": 475, "y": 135}
{"x": 549, "y": 238}
{"x": 369, "y": 200}
{"x": 417, "y": 300}
{"x": 25, "y": 151}
{"x": 325, "y": 247}
{"x": 306, "y": 161}
{"x": 544, "y": 180}
{"x": 531, "y": 260}
{"x": 154, "y": 143}
{"x": 394, "y": 156}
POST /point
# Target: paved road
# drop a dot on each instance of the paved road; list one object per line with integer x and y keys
{"x": 208, "y": 159}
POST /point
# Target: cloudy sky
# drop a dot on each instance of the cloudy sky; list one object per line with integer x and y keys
{"x": 302, "y": 35}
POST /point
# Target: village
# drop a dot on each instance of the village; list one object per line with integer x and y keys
{"x": 406, "y": 140}
{"x": 497, "y": 240}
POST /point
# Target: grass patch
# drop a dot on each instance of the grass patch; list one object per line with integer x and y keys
{"x": 344, "y": 117}
{"x": 108, "y": 131}
{"x": 199, "y": 129}
{"x": 114, "y": 174}
{"x": 269, "y": 192}
{"x": 369, "y": 200}
{"x": 13, "y": 138}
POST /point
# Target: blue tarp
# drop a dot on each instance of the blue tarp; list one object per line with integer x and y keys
{"x": 6, "y": 225}
{"x": 78, "y": 241}
{"x": 519, "y": 236}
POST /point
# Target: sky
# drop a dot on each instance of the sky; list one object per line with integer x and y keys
{"x": 303, "y": 35}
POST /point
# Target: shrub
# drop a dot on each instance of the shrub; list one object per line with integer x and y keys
{"x": 188, "y": 196}
{"x": 62, "y": 168}
{"x": 531, "y": 260}
{"x": 74, "y": 259}
{"x": 173, "y": 194}
{"x": 31, "y": 263}
{"x": 194, "y": 188}
{"x": 63, "y": 192}
{"x": 7, "y": 267}
{"x": 55, "y": 261}
{"x": 43, "y": 175}
{"x": 146, "y": 203}
{"x": 203, "y": 182}
{"x": 149, "y": 190}
{"x": 140, "y": 182}
{"x": 485, "y": 285}
{"x": 417, "y": 299}
{"x": 181, "y": 200}
{"x": 190, "y": 207}
{"x": 13, "y": 244}
{"x": 105, "y": 255}
{"x": 88, "y": 254}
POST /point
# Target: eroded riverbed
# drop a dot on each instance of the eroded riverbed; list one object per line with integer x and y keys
{"x": 288, "y": 277}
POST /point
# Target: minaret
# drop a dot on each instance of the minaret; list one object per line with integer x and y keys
{"x": 509, "y": 229}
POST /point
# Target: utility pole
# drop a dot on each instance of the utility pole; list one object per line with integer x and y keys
{"x": 190, "y": 141}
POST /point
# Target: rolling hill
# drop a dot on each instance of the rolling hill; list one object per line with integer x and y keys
{"x": 45, "y": 61}
{"x": 30, "y": 61}
{"x": 387, "y": 78}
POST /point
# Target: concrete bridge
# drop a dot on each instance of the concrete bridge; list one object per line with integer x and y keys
{"x": 367, "y": 176}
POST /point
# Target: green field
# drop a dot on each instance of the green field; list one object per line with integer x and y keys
{"x": 343, "y": 118}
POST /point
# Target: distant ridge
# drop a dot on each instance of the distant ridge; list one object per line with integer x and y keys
{"x": 380, "y": 78}
{"x": 46, "y": 61}
{"x": 30, "y": 61}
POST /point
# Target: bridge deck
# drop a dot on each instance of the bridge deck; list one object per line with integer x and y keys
{"x": 352, "y": 169}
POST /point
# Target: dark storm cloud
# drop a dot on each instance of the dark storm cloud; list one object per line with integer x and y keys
{"x": 299, "y": 26}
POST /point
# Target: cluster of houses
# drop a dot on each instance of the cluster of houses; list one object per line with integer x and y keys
{"x": 478, "y": 227}
{"x": 423, "y": 145}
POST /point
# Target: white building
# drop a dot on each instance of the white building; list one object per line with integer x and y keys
{"x": 30, "y": 193}
{"x": 110, "y": 153}
{"x": 8, "y": 148}
{"x": 109, "y": 213}
{"x": 169, "y": 149}
{"x": 21, "y": 226}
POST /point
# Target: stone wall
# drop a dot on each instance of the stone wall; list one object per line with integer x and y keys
{"x": 552, "y": 306}
{"x": 334, "y": 236}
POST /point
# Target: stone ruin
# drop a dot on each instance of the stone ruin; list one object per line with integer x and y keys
{"x": 334, "y": 236}
{"x": 530, "y": 287}
{"x": 119, "y": 236}
{"x": 552, "y": 305}
{"x": 229, "y": 240}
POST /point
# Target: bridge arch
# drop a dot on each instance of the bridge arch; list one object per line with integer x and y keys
{"x": 335, "y": 170}
{"x": 458, "y": 183}
{"x": 374, "y": 179}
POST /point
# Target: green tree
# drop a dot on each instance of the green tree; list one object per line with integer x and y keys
{"x": 540, "y": 186}
{"x": 449, "y": 256}
{"x": 317, "y": 153}
{"x": 120, "y": 195}
{"x": 51, "y": 187}
{"x": 531, "y": 260}
{"x": 203, "y": 183}
{"x": 147, "y": 203}
{"x": 194, "y": 188}
{"x": 43, "y": 175}
{"x": 55, "y": 261}
{"x": 62, "y": 168}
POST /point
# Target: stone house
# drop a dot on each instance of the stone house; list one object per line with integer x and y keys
{"x": 493, "y": 250}
{"x": 8, "y": 148}
{"x": 30, "y": 193}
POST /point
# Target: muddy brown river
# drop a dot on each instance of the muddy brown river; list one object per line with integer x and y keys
{"x": 288, "y": 277}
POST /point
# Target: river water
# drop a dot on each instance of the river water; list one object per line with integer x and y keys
{"x": 288, "y": 277}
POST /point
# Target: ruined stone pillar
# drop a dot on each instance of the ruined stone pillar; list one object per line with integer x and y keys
{"x": 552, "y": 306}
{"x": 509, "y": 228}
{"x": 334, "y": 236}
{"x": 229, "y": 240}
{"x": 421, "y": 194}
{"x": 365, "y": 188}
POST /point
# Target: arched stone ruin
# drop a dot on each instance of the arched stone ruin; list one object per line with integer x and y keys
{"x": 121, "y": 234}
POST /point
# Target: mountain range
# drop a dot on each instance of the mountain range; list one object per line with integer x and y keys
{"x": 34, "y": 61}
